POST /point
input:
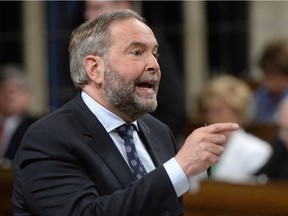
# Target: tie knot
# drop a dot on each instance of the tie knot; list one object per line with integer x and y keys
{"x": 126, "y": 131}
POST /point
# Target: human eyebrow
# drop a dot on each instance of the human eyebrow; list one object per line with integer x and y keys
{"x": 133, "y": 44}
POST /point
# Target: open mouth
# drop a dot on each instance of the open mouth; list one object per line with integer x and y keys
{"x": 149, "y": 85}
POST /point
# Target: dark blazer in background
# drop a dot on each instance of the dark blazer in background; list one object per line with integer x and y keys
{"x": 68, "y": 165}
{"x": 277, "y": 165}
{"x": 17, "y": 136}
{"x": 171, "y": 95}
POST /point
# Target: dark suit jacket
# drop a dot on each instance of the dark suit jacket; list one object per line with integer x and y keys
{"x": 277, "y": 166}
{"x": 68, "y": 165}
{"x": 17, "y": 136}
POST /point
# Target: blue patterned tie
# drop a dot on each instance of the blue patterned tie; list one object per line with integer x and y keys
{"x": 126, "y": 132}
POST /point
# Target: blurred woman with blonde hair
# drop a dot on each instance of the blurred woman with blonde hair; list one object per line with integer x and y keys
{"x": 226, "y": 99}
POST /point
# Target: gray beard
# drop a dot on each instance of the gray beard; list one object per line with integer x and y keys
{"x": 121, "y": 95}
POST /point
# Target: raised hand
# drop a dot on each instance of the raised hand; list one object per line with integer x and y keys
{"x": 203, "y": 147}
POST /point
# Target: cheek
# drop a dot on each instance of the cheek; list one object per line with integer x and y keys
{"x": 275, "y": 84}
{"x": 131, "y": 71}
{"x": 159, "y": 74}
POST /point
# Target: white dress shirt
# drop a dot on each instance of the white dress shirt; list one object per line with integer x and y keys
{"x": 110, "y": 122}
{"x": 10, "y": 125}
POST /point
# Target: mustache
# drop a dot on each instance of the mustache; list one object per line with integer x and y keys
{"x": 153, "y": 79}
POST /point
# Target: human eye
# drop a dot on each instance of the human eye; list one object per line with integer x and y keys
{"x": 136, "y": 52}
{"x": 156, "y": 55}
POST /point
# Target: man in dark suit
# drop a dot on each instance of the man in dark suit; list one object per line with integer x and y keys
{"x": 15, "y": 99}
{"x": 73, "y": 161}
{"x": 277, "y": 165}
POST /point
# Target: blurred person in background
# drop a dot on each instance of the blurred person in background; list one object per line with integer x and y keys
{"x": 274, "y": 84}
{"x": 15, "y": 99}
{"x": 95, "y": 8}
{"x": 226, "y": 98}
{"x": 171, "y": 104}
{"x": 277, "y": 166}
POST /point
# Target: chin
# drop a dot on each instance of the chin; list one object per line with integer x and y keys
{"x": 147, "y": 107}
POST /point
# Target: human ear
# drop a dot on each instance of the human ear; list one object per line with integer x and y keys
{"x": 94, "y": 68}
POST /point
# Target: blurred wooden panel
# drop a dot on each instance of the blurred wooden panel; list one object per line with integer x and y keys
{"x": 221, "y": 199}
{"x": 5, "y": 192}
{"x": 265, "y": 131}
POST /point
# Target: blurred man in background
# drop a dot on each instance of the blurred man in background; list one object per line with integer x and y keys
{"x": 277, "y": 166}
{"x": 274, "y": 85}
{"x": 15, "y": 99}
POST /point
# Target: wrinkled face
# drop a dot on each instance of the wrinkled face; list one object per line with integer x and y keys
{"x": 132, "y": 73}
{"x": 14, "y": 99}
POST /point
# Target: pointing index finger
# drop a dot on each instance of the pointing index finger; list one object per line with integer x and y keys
{"x": 221, "y": 127}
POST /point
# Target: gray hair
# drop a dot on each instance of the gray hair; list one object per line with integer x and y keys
{"x": 16, "y": 72}
{"x": 93, "y": 38}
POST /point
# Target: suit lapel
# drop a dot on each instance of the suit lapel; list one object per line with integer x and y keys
{"x": 101, "y": 142}
{"x": 153, "y": 145}
{"x": 104, "y": 146}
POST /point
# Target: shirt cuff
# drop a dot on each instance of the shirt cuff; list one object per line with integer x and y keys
{"x": 177, "y": 176}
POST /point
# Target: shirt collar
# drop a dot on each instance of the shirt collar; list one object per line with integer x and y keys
{"x": 109, "y": 120}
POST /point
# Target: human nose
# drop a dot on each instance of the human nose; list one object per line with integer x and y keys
{"x": 152, "y": 63}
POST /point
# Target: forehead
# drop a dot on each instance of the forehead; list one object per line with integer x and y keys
{"x": 10, "y": 83}
{"x": 127, "y": 31}
{"x": 98, "y": 4}
{"x": 214, "y": 101}
{"x": 98, "y": 7}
